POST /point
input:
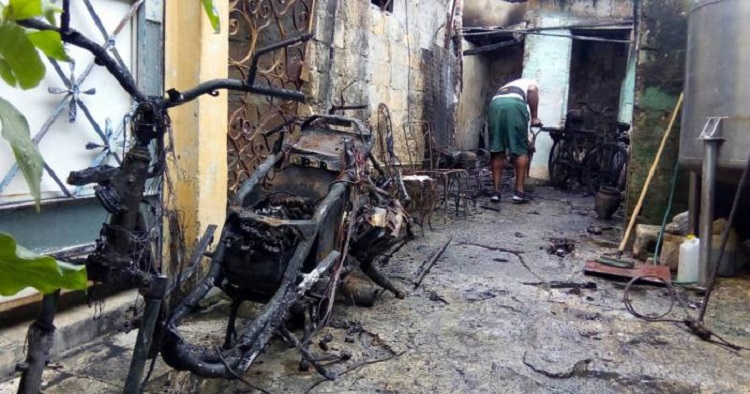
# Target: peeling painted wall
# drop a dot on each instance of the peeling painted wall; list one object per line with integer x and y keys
{"x": 547, "y": 60}
{"x": 378, "y": 53}
{"x": 471, "y": 109}
{"x": 660, "y": 77}
{"x": 482, "y": 76}
{"x": 493, "y": 13}
{"x": 586, "y": 8}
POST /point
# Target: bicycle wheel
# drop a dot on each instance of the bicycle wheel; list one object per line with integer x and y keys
{"x": 559, "y": 170}
{"x": 603, "y": 166}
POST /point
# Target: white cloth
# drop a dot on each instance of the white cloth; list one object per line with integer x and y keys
{"x": 523, "y": 84}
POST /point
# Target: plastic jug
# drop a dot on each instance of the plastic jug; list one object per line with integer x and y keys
{"x": 687, "y": 270}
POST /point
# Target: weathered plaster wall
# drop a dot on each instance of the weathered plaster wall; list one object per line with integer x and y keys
{"x": 506, "y": 65}
{"x": 627, "y": 90}
{"x": 378, "y": 53}
{"x": 482, "y": 76}
{"x": 660, "y": 76}
{"x": 493, "y": 13}
{"x": 471, "y": 109}
{"x": 199, "y": 127}
{"x": 547, "y": 60}
{"x": 586, "y": 8}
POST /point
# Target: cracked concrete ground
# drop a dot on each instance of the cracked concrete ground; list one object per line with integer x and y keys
{"x": 483, "y": 320}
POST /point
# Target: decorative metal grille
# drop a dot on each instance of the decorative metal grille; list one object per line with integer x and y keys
{"x": 74, "y": 93}
{"x": 253, "y": 25}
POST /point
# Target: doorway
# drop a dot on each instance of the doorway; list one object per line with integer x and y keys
{"x": 597, "y": 72}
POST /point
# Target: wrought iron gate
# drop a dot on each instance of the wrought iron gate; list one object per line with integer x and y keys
{"x": 253, "y": 25}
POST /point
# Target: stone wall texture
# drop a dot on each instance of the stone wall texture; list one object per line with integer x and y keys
{"x": 377, "y": 56}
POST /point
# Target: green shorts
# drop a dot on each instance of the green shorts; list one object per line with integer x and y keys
{"x": 509, "y": 126}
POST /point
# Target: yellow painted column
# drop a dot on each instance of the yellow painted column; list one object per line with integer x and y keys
{"x": 194, "y": 54}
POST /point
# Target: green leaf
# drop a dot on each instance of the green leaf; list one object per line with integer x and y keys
{"x": 50, "y": 43}
{"x": 23, "y": 9}
{"x": 18, "y": 52}
{"x": 15, "y": 129}
{"x": 49, "y": 11}
{"x": 6, "y": 73}
{"x": 22, "y": 268}
{"x": 213, "y": 14}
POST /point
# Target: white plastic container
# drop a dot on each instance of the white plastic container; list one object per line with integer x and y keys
{"x": 687, "y": 270}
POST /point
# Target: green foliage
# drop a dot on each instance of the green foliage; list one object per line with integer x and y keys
{"x": 50, "y": 43}
{"x": 213, "y": 14}
{"x": 21, "y": 66}
{"x": 22, "y": 9}
{"x": 22, "y": 268}
{"x": 15, "y": 129}
{"x": 20, "y": 62}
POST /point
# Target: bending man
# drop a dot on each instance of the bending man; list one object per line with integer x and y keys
{"x": 508, "y": 128}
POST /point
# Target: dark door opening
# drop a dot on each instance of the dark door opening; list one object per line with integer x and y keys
{"x": 597, "y": 71}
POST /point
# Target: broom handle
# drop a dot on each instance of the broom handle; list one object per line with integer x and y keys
{"x": 651, "y": 173}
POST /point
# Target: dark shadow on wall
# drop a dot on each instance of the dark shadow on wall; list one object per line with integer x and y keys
{"x": 597, "y": 71}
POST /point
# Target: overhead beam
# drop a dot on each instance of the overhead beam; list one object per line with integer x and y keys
{"x": 491, "y": 47}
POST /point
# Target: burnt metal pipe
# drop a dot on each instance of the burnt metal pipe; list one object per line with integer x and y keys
{"x": 694, "y": 199}
{"x": 40, "y": 338}
{"x": 259, "y": 174}
{"x": 328, "y": 89}
{"x": 711, "y": 142}
{"x": 153, "y": 296}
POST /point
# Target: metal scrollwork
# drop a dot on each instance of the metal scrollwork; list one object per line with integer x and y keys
{"x": 254, "y": 24}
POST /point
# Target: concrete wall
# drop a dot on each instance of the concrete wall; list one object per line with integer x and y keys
{"x": 547, "y": 60}
{"x": 482, "y": 76}
{"x": 471, "y": 109}
{"x": 493, "y": 13}
{"x": 660, "y": 76}
{"x": 378, "y": 53}
{"x": 586, "y": 8}
{"x": 479, "y": 13}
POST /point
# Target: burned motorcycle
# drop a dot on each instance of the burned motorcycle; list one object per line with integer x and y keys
{"x": 286, "y": 236}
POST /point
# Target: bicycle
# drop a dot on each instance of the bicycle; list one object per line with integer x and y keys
{"x": 569, "y": 147}
{"x": 606, "y": 164}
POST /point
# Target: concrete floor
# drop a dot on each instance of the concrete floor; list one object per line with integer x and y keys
{"x": 483, "y": 321}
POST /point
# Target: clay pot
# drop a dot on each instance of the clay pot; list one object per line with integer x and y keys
{"x": 606, "y": 202}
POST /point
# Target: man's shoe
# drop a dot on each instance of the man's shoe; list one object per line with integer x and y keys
{"x": 495, "y": 198}
{"x": 520, "y": 198}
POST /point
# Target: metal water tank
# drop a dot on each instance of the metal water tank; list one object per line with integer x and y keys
{"x": 717, "y": 83}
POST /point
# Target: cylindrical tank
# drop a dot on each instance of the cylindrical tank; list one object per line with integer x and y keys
{"x": 717, "y": 83}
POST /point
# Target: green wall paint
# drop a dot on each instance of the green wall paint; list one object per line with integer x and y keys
{"x": 654, "y": 99}
{"x": 660, "y": 76}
